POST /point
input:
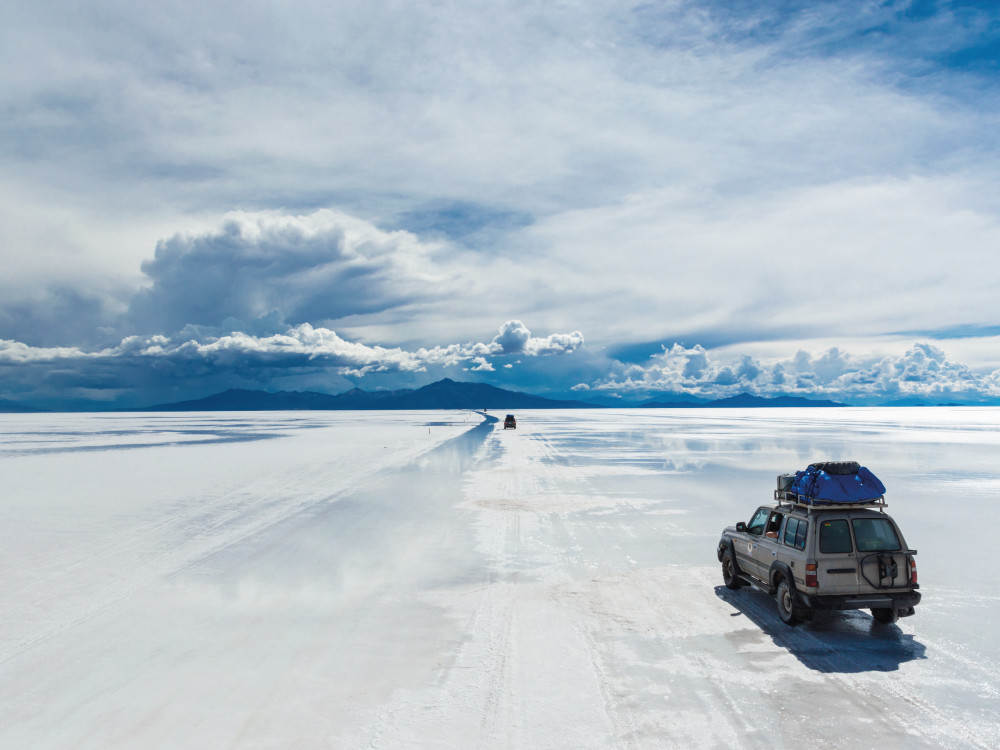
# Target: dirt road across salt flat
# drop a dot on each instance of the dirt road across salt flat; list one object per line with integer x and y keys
{"x": 413, "y": 582}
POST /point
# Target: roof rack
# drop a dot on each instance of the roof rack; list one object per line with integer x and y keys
{"x": 785, "y": 497}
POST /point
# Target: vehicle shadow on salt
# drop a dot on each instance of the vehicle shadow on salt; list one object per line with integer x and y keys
{"x": 832, "y": 642}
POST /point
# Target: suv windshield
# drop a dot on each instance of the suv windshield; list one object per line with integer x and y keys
{"x": 759, "y": 520}
{"x": 875, "y": 534}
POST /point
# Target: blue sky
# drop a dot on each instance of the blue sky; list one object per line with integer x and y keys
{"x": 607, "y": 199}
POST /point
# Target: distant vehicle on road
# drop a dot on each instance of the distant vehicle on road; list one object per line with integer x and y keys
{"x": 509, "y": 422}
{"x": 826, "y": 544}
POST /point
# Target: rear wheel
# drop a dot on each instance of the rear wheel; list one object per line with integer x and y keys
{"x": 786, "y": 604}
{"x": 729, "y": 574}
{"x": 885, "y": 615}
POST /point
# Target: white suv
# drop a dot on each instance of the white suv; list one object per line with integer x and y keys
{"x": 813, "y": 555}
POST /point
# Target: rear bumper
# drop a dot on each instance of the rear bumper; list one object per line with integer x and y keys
{"x": 902, "y": 600}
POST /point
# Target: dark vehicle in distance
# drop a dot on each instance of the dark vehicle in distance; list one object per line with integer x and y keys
{"x": 509, "y": 423}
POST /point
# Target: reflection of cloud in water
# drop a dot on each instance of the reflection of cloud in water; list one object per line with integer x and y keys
{"x": 42, "y": 434}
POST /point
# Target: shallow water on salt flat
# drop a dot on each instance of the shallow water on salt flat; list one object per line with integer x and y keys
{"x": 411, "y": 578}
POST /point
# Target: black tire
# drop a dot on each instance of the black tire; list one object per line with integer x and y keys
{"x": 787, "y": 610}
{"x": 730, "y": 573}
{"x": 885, "y": 615}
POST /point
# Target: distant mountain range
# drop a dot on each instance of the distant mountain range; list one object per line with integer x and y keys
{"x": 743, "y": 401}
{"x": 913, "y": 401}
{"x": 12, "y": 407}
{"x": 449, "y": 394}
{"x": 444, "y": 394}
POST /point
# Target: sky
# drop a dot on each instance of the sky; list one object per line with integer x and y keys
{"x": 603, "y": 199}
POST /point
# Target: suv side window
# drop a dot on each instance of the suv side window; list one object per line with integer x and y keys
{"x": 834, "y": 536}
{"x": 758, "y": 522}
{"x": 795, "y": 532}
{"x": 774, "y": 525}
{"x": 800, "y": 534}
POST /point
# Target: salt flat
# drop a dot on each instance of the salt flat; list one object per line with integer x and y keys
{"x": 427, "y": 579}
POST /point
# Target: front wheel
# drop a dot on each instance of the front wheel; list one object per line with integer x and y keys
{"x": 885, "y": 615}
{"x": 786, "y": 604}
{"x": 729, "y": 574}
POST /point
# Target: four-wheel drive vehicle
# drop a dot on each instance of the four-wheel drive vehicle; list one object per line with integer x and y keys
{"x": 825, "y": 544}
{"x": 509, "y": 422}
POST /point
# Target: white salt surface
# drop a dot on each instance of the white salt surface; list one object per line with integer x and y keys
{"x": 419, "y": 579}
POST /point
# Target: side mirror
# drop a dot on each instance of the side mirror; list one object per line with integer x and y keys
{"x": 741, "y": 526}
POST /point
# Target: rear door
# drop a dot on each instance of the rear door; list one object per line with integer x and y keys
{"x": 881, "y": 553}
{"x": 836, "y": 559}
{"x": 766, "y": 551}
{"x": 792, "y": 550}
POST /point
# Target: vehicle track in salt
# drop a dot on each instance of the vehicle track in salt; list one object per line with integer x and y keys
{"x": 675, "y": 611}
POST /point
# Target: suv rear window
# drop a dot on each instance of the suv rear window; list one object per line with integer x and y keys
{"x": 875, "y": 534}
{"x": 795, "y": 532}
{"x": 834, "y": 536}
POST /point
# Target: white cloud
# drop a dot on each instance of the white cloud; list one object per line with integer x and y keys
{"x": 845, "y": 259}
{"x": 512, "y": 337}
{"x": 17, "y": 353}
{"x": 923, "y": 371}
{"x": 322, "y": 266}
{"x": 302, "y": 346}
{"x": 515, "y": 338}
{"x": 482, "y": 365}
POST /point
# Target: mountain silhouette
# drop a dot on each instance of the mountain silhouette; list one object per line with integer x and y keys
{"x": 444, "y": 394}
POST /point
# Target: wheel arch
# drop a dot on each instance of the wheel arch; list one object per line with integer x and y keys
{"x": 726, "y": 543}
{"x": 781, "y": 572}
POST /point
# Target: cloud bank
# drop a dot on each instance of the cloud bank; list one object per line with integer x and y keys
{"x": 299, "y": 350}
{"x": 923, "y": 372}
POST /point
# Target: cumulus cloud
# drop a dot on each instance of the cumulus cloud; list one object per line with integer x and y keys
{"x": 17, "y": 353}
{"x": 515, "y": 338}
{"x": 512, "y": 338}
{"x": 482, "y": 365}
{"x": 322, "y": 266}
{"x": 923, "y": 371}
{"x": 301, "y": 348}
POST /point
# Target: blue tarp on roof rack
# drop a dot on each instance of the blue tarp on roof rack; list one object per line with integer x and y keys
{"x": 844, "y": 482}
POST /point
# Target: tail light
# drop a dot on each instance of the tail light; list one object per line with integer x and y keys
{"x": 811, "y": 574}
{"x": 913, "y": 572}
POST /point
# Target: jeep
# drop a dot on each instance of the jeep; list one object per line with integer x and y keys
{"x": 812, "y": 556}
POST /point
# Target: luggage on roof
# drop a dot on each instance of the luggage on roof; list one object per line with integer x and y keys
{"x": 838, "y": 482}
